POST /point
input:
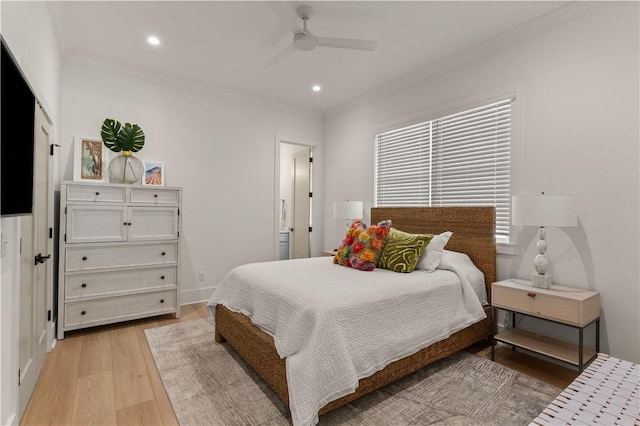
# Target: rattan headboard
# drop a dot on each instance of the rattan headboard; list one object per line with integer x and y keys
{"x": 473, "y": 230}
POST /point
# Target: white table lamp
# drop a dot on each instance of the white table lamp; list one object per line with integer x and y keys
{"x": 543, "y": 210}
{"x": 348, "y": 210}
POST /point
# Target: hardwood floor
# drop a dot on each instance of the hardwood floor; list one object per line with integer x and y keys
{"x": 106, "y": 375}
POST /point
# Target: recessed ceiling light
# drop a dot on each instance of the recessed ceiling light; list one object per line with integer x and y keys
{"x": 153, "y": 40}
{"x": 316, "y": 88}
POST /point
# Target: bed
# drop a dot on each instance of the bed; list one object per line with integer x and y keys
{"x": 473, "y": 234}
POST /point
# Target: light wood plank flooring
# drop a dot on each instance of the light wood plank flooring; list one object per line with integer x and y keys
{"x": 106, "y": 375}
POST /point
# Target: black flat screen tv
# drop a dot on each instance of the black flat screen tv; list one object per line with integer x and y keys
{"x": 17, "y": 115}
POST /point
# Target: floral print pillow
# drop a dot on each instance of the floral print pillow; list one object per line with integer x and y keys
{"x": 361, "y": 247}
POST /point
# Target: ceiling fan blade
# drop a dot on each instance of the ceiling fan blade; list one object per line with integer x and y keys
{"x": 282, "y": 55}
{"x": 346, "y": 43}
{"x": 287, "y": 20}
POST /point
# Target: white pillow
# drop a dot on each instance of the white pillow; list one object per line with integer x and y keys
{"x": 462, "y": 264}
{"x": 431, "y": 257}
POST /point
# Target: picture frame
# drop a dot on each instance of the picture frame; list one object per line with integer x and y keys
{"x": 90, "y": 160}
{"x": 153, "y": 174}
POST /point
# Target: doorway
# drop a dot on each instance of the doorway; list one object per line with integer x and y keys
{"x": 294, "y": 199}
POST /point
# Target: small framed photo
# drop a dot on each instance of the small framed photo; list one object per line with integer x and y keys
{"x": 90, "y": 160}
{"x": 153, "y": 173}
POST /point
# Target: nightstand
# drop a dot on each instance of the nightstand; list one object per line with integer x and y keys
{"x": 567, "y": 306}
{"x": 329, "y": 252}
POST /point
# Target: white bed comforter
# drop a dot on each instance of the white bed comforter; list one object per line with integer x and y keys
{"x": 336, "y": 325}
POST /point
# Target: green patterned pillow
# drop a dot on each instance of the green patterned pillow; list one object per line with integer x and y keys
{"x": 403, "y": 250}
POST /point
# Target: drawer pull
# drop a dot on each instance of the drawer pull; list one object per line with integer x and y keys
{"x": 84, "y": 285}
{"x": 162, "y": 277}
{"x": 97, "y": 193}
{"x": 129, "y": 223}
{"x": 84, "y": 257}
{"x": 161, "y": 300}
{"x": 124, "y": 223}
{"x": 531, "y": 294}
{"x": 163, "y": 253}
{"x": 83, "y": 313}
{"x": 155, "y": 195}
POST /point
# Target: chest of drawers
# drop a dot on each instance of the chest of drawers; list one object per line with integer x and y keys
{"x": 119, "y": 254}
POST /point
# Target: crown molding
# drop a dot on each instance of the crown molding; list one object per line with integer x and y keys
{"x": 508, "y": 38}
{"x": 191, "y": 85}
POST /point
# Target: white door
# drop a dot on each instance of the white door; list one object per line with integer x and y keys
{"x": 301, "y": 205}
{"x": 34, "y": 268}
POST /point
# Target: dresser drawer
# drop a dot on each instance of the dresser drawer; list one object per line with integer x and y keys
{"x": 105, "y": 194}
{"x": 88, "y": 258}
{"x": 564, "y": 306}
{"x": 154, "y": 196}
{"x": 119, "y": 282}
{"x": 118, "y": 308}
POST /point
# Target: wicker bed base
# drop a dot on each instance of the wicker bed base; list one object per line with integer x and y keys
{"x": 473, "y": 233}
{"x": 258, "y": 350}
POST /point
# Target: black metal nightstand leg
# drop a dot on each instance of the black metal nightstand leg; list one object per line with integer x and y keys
{"x": 580, "y": 347}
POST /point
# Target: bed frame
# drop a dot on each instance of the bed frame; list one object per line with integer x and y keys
{"x": 473, "y": 233}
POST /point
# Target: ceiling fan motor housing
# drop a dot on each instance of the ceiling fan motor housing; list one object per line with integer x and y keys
{"x": 304, "y": 41}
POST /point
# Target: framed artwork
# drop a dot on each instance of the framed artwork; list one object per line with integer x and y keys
{"x": 153, "y": 173}
{"x": 90, "y": 160}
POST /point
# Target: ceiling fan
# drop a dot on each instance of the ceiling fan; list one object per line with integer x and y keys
{"x": 304, "y": 40}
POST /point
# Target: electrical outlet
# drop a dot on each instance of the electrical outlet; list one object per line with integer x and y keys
{"x": 201, "y": 276}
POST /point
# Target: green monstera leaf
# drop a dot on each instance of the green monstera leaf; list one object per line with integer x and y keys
{"x": 117, "y": 137}
{"x": 109, "y": 133}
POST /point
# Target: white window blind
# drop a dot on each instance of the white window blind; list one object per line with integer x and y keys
{"x": 460, "y": 159}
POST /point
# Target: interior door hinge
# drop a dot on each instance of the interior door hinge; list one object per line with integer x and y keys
{"x": 65, "y": 209}
{"x": 311, "y": 195}
{"x": 20, "y": 245}
{"x": 310, "y": 229}
{"x": 178, "y": 212}
{"x": 19, "y": 377}
{"x": 311, "y": 159}
{"x": 50, "y": 232}
{"x": 49, "y": 315}
{"x": 65, "y": 238}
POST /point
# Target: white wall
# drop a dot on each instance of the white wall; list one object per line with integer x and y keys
{"x": 217, "y": 146}
{"x": 28, "y": 31}
{"x": 576, "y": 77}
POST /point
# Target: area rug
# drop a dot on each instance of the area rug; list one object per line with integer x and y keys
{"x": 208, "y": 384}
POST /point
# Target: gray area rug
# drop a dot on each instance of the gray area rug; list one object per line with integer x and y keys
{"x": 208, "y": 384}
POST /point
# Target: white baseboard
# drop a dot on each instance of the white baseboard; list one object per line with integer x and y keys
{"x": 187, "y": 297}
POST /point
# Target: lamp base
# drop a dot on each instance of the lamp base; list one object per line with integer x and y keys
{"x": 541, "y": 281}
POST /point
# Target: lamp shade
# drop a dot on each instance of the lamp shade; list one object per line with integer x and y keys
{"x": 544, "y": 210}
{"x": 347, "y": 210}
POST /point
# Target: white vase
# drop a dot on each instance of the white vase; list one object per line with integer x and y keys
{"x": 125, "y": 168}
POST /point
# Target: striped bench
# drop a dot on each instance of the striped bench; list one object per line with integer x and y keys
{"x": 606, "y": 393}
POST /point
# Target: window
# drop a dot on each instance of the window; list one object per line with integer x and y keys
{"x": 460, "y": 159}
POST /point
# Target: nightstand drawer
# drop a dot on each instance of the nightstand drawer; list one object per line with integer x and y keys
{"x": 570, "y": 306}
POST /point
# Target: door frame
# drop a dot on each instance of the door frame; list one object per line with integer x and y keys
{"x": 276, "y": 192}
